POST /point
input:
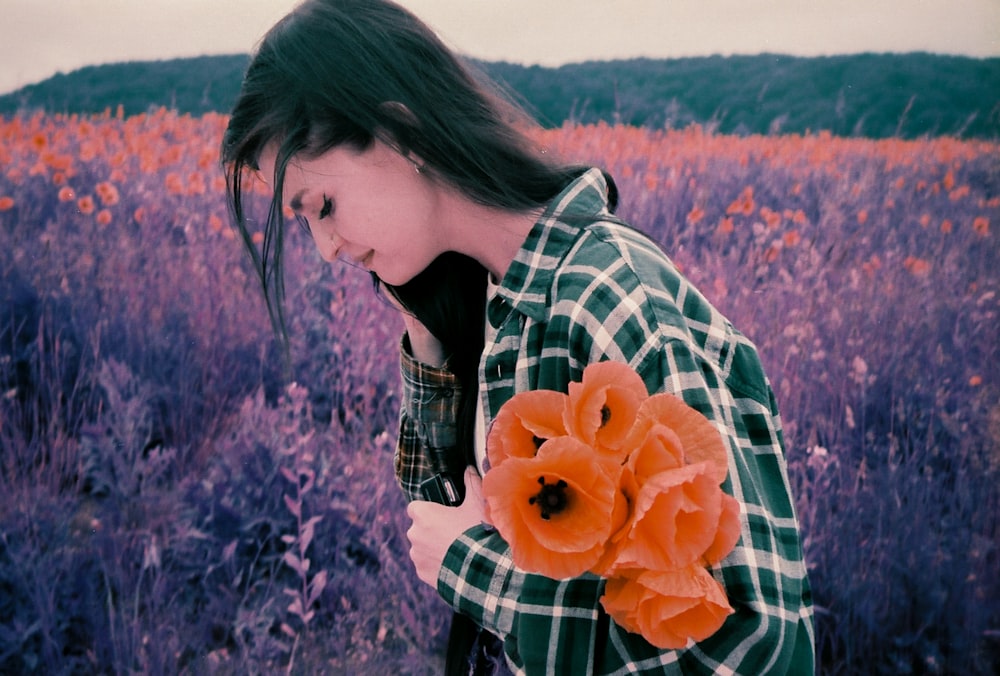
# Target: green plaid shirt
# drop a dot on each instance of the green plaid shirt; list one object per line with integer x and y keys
{"x": 585, "y": 288}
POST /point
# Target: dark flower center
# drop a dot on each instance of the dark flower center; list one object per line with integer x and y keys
{"x": 605, "y": 415}
{"x": 551, "y": 499}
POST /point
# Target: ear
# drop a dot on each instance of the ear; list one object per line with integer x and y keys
{"x": 399, "y": 126}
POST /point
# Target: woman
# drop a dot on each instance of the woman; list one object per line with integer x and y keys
{"x": 398, "y": 158}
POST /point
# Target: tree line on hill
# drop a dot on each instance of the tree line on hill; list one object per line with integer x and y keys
{"x": 865, "y": 95}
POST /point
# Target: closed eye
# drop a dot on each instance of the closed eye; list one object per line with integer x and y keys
{"x": 327, "y": 207}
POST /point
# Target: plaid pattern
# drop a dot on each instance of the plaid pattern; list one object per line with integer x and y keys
{"x": 585, "y": 288}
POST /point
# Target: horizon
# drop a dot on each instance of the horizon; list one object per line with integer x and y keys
{"x": 40, "y": 40}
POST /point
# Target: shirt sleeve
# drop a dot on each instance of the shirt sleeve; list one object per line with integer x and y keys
{"x": 558, "y": 626}
{"x": 427, "y": 442}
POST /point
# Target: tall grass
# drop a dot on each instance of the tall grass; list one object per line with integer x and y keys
{"x": 164, "y": 478}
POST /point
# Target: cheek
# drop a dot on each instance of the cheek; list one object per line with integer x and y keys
{"x": 324, "y": 244}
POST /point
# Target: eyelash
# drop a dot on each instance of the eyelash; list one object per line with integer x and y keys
{"x": 327, "y": 207}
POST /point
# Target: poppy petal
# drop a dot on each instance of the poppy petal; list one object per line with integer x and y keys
{"x": 524, "y": 423}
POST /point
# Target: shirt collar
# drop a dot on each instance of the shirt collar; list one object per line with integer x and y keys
{"x": 528, "y": 282}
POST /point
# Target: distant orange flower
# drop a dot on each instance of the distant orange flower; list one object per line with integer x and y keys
{"x": 6, "y": 203}
{"x": 214, "y": 223}
{"x": 66, "y": 194}
{"x": 743, "y": 204}
{"x": 257, "y": 238}
{"x": 602, "y": 406}
{"x": 946, "y": 226}
{"x": 726, "y": 226}
{"x": 668, "y": 607}
{"x": 555, "y": 509}
{"x": 976, "y": 381}
{"x": 862, "y": 216}
{"x": 981, "y": 225}
{"x": 695, "y": 215}
{"x": 103, "y": 217}
{"x": 772, "y": 219}
{"x": 917, "y": 266}
{"x": 958, "y": 193}
{"x": 139, "y": 215}
{"x": 791, "y": 238}
{"x": 524, "y": 423}
{"x": 949, "y": 180}
{"x": 86, "y": 205}
{"x": 107, "y": 193}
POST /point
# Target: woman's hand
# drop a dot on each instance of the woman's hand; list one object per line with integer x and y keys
{"x": 435, "y": 527}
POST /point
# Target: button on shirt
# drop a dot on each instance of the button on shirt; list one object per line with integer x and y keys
{"x": 584, "y": 288}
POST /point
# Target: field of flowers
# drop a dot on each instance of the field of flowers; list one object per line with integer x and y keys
{"x": 176, "y": 497}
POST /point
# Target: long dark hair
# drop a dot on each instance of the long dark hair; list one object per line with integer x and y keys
{"x": 336, "y": 72}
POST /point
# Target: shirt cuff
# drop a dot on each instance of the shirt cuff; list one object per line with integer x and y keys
{"x": 430, "y": 399}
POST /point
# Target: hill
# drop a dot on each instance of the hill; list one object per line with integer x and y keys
{"x": 869, "y": 95}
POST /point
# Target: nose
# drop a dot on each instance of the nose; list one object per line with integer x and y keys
{"x": 329, "y": 245}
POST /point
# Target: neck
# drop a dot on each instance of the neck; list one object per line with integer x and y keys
{"x": 491, "y": 236}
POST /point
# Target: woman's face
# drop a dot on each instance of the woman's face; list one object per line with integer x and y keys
{"x": 371, "y": 207}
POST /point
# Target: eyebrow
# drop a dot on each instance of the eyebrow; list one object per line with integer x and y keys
{"x": 296, "y": 202}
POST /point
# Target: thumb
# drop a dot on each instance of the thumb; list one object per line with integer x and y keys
{"x": 473, "y": 484}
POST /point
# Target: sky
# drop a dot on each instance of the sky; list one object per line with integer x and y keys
{"x": 39, "y": 38}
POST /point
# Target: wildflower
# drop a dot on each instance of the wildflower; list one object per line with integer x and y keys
{"x": 791, "y": 238}
{"x": 695, "y": 215}
{"x": 524, "y": 423}
{"x": 257, "y": 238}
{"x": 958, "y": 193}
{"x": 174, "y": 184}
{"x": 726, "y": 226}
{"x": 917, "y": 266}
{"x": 214, "y": 223}
{"x": 862, "y": 216}
{"x": 139, "y": 215}
{"x": 107, "y": 193}
{"x": 603, "y": 405}
{"x": 975, "y": 381}
{"x": 946, "y": 226}
{"x": 743, "y": 204}
{"x": 103, "y": 217}
{"x": 555, "y": 509}
{"x": 86, "y": 205}
{"x": 668, "y": 607}
{"x": 981, "y": 225}
{"x": 6, "y": 203}
{"x": 771, "y": 218}
{"x": 949, "y": 180}
{"x": 66, "y": 194}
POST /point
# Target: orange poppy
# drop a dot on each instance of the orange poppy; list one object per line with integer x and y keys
{"x": 103, "y": 217}
{"x": 603, "y": 405}
{"x": 674, "y": 519}
{"x": 66, "y": 194}
{"x": 728, "y": 532}
{"x": 555, "y": 510}
{"x": 523, "y": 423}
{"x": 107, "y": 193}
{"x": 85, "y": 205}
{"x": 981, "y": 225}
{"x": 697, "y": 435}
{"x": 668, "y": 608}
{"x": 6, "y": 203}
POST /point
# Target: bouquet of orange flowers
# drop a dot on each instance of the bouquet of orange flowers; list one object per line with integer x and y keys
{"x": 610, "y": 480}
